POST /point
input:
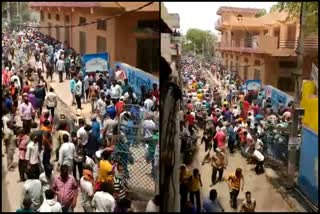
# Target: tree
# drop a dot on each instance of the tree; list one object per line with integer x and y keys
{"x": 261, "y": 13}
{"x": 293, "y": 9}
{"x": 196, "y": 39}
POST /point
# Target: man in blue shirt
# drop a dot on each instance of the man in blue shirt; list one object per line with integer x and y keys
{"x": 110, "y": 109}
{"x": 211, "y": 204}
{"x": 232, "y": 137}
{"x": 72, "y": 89}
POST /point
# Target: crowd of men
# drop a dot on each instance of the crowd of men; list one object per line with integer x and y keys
{"x": 92, "y": 156}
{"x": 230, "y": 119}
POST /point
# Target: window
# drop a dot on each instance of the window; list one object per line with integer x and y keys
{"x": 256, "y": 74}
{"x": 101, "y": 44}
{"x": 287, "y": 64}
{"x": 49, "y": 15}
{"x": 231, "y": 66}
{"x": 41, "y": 16}
{"x": 237, "y": 67}
{"x": 82, "y": 41}
{"x": 67, "y": 19}
{"x": 286, "y": 84}
{"x": 246, "y": 60}
{"x": 67, "y": 34}
{"x": 49, "y": 30}
{"x": 257, "y": 62}
{"x": 101, "y": 24}
{"x": 245, "y": 72}
{"x": 153, "y": 24}
{"x": 239, "y": 17}
{"x": 148, "y": 55}
{"x": 82, "y": 20}
{"x": 58, "y": 33}
{"x": 57, "y": 17}
{"x": 231, "y": 56}
{"x": 237, "y": 58}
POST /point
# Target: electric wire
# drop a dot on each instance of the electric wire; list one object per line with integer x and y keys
{"x": 87, "y": 23}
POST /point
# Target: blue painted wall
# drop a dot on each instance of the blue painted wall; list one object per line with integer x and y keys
{"x": 308, "y": 170}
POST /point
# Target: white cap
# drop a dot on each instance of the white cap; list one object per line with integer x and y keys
{"x": 78, "y": 113}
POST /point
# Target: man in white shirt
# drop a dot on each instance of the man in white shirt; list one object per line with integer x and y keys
{"x": 16, "y": 80}
{"x": 149, "y": 126}
{"x": 67, "y": 153}
{"x": 101, "y": 107}
{"x": 148, "y": 103}
{"x": 60, "y": 68}
{"x": 87, "y": 191}
{"x": 260, "y": 159}
{"x": 102, "y": 200}
{"x": 32, "y": 188}
{"x": 51, "y": 101}
{"x": 115, "y": 91}
{"x": 108, "y": 125}
{"x": 49, "y": 204}
{"x": 82, "y": 134}
{"x": 32, "y": 154}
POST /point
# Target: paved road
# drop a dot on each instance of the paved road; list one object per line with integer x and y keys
{"x": 268, "y": 198}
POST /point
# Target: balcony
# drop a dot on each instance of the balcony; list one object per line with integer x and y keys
{"x": 310, "y": 44}
{"x": 258, "y": 44}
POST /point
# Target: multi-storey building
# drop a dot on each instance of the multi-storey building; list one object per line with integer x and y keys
{"x": 171, "y": 40}
{"x": 263, "y": 48}
{"x": 132, "y": 38}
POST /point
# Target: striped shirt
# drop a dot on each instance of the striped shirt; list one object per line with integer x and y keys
{"x": 119, "y": 187}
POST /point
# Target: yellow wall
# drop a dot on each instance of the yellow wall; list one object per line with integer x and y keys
{"x": 309, "y": 102}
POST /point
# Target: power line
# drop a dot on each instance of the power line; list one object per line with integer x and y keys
{"x": 87, "y": 23}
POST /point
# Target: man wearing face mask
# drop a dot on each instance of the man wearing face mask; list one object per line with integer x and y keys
{"x": 119, "y": 183}
{"x": 26, "y": 111}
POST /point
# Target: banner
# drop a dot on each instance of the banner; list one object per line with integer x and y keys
{"x": 96, "y": 62}
{"x": 137, "y": 78}
{"x": 253, "y": 85}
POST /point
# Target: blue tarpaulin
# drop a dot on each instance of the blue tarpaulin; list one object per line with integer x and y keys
{"x": 137, "y": 77}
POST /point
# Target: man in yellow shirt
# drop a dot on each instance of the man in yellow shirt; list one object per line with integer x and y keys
{"x": 234, "y": 181}
{"x": 105, "y": 168}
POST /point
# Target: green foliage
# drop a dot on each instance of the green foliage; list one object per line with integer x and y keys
{"x": 261, "y": 13}
{"x": 195, "y": 38}
{"x": 293, "y": 9}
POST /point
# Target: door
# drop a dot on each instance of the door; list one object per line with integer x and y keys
{"x": 148, "y": 55}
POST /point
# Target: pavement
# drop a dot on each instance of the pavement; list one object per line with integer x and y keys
{"x": 268, "y": 197}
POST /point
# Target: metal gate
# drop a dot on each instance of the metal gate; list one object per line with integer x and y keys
{"x": 138, "y": 155}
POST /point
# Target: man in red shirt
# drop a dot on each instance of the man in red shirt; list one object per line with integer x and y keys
{"x": 191, "y": 121}
{"x": 221, "y": 138}
{"x": 155, "y": 92}
{"x": 119, "y": 106}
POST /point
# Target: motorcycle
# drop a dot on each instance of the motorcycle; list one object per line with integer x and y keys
{"x": 188, "y": 148}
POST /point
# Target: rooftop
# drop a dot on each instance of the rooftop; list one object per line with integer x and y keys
{"x": 237, "y": 9}
{"x": 125, "y": 5}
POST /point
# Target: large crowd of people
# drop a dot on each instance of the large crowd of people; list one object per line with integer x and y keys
{"x": 229, "y": 120}
{"x": 62, "y": 157}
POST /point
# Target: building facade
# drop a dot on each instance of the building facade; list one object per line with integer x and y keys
{"x": 171, "y": 41}
{"x": 263, "y": 48}
{"x": 132, "y": 38}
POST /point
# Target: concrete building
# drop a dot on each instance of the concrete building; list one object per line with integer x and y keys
{"x": 132, "y": 38}
{"x": 263, "y": 48}
{"x": 171, "y": 40}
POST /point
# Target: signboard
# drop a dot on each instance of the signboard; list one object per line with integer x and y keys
{"x": 137, "y": 78}
{"x": 96, "y": 62}
{"x": 253, "y": 85}
{"x": 314, "y": 75}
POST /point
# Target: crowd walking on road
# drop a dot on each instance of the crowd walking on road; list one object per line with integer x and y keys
{"x": 227, "y": 120}
{"x": 62, "y": 157}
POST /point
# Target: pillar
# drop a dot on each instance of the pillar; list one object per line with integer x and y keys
{"x": 229, "y": 38}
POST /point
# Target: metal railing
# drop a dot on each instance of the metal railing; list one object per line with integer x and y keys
{"x": 309, "y": 44}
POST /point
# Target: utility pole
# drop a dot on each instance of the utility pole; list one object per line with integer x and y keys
{"x": 293, "y": 141}
{"x": 194, "y": 48}
{"x": 203, "y": 48}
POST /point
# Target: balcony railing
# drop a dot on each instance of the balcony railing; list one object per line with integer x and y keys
{"x": 310, "y": 44}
